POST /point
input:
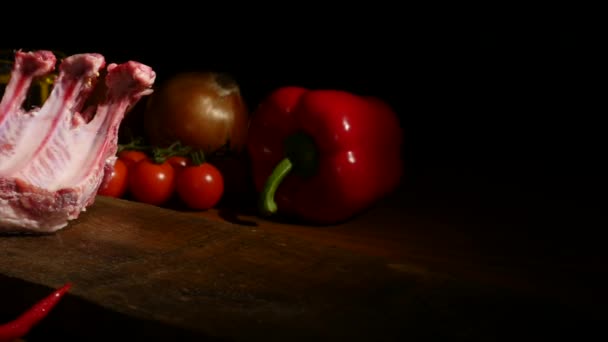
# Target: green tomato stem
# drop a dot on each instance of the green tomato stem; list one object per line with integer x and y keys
{"x": 197, "y": 157}
{"x": 160, "y": 155}
{"x": 136, "y": 144}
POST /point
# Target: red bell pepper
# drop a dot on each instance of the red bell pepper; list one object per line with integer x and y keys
{"x": 323, "y": 156}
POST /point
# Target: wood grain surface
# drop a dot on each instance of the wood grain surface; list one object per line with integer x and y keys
{"x": 146, "y": 272}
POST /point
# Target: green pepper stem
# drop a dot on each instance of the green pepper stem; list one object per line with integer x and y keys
{"x": 267, "y": 204}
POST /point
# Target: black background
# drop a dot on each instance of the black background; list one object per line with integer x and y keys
{"x": 494, "y": 114}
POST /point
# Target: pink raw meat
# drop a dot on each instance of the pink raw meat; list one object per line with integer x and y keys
{"x": 53, "y": 159}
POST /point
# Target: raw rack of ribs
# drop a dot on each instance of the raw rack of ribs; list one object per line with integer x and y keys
{"x": 54, "y": 158}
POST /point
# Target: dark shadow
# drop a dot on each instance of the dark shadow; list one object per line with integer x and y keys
{"x": 75, "y": 319}
{"x": 232, "y": 215}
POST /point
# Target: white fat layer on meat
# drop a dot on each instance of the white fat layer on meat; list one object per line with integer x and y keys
{"x": 14, "y": 219}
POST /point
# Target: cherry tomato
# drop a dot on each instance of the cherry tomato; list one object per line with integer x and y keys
{"x": 131, "y": 157}
{"x": 200, "y": 186}
{"x": 152, "y": 183}
{"x": 116, "y": 186}
{"x": 179, "y": 162}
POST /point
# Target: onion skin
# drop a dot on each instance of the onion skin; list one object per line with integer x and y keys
{"x": 204, "y": 110}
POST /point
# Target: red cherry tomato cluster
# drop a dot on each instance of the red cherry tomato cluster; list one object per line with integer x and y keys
{"x": 199, "y": 185}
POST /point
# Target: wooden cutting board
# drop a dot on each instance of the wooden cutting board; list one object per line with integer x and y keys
{"x": 140, "y": 271}
{"x": 208, "y": 277}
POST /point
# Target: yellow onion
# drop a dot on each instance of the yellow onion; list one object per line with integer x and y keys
{"x": 204, "y": 110}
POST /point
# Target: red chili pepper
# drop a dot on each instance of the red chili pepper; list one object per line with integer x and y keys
{"x": 23, "y": 324}
{"x": 323, "y": 155}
